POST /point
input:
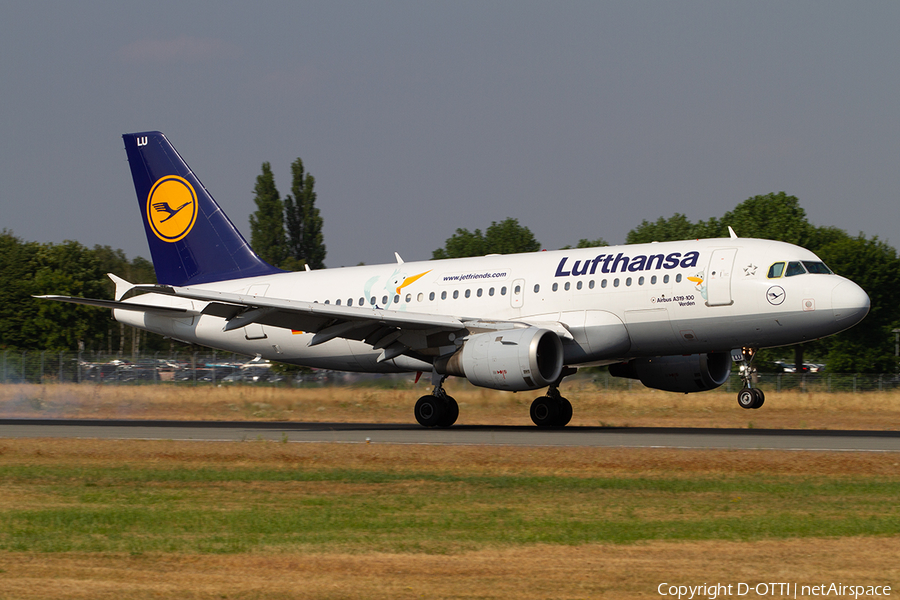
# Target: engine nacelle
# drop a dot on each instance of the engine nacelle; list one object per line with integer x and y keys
{"x": 511, "y": 359}
{"x": 692, "y": 373}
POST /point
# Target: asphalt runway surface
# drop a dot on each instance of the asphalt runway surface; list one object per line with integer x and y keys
{"x": 471, "y": 435}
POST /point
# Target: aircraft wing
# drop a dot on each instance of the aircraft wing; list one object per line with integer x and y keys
{"x": 395, "y": 332}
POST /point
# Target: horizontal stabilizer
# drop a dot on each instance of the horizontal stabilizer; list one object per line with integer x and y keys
{"x": 115, "y": 304}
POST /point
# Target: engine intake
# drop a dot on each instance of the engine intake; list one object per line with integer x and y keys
{"x": 692, "y": 373}
{"x": 513, "y": 359}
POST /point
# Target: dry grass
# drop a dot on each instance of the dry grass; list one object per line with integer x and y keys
{"x": 592, "y": 571}
{"x": 453, "y": 460}
{"x": 593, "y": 406}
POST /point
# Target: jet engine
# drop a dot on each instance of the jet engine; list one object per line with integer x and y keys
{"x": 691, "y": 373}
{"x": 511, "y": 359}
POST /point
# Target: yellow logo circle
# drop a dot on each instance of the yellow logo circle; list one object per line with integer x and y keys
{"x": 171, "y": 208}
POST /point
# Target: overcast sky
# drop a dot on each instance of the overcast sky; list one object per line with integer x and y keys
{"x": 416, "y": 118}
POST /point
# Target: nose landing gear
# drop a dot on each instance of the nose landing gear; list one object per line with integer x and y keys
{"x": 749, "y": 396}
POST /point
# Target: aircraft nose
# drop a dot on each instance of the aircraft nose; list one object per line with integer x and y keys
{"x": 849, "y": 302}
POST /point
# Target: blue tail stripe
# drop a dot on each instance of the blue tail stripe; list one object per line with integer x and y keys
{"x": 185, "y": 251}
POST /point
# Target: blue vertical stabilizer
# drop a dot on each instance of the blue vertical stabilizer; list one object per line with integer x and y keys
{"x": 191, "y": 240}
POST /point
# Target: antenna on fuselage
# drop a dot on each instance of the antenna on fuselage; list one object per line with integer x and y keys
{"x": 731, "y": 233}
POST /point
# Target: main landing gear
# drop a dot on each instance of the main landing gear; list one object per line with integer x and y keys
{"x": 437, "y": 409}
{"x": 553, "y": 410}
{"x": 749, "y": 396}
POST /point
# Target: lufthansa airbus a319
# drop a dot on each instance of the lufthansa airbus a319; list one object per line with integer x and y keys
{"x": 673, "y": 315}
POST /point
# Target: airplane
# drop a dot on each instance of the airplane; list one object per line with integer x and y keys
{"x": 674, "y": 315}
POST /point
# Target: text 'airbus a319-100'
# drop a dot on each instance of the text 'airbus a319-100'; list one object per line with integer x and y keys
{"x": 673, "y": 315}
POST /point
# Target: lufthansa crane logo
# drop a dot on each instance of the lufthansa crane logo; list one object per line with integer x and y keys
{"x": 171, "y": 208}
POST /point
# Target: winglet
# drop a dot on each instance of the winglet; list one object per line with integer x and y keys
{"x": 122, "y": 286}
{"x": 731, "y": 233}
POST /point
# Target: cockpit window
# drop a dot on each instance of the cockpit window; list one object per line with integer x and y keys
{"x": 794, "y": 268}
{"x": 776, "y": 270}
{"x": 817, "y": 267}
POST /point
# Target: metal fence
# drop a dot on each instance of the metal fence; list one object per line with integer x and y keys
{"x": 219, "y": 368}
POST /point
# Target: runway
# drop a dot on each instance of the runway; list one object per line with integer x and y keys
{"x": 613, "y": 437}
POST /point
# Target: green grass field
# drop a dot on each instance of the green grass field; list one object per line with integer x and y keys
{"x": 282, "y": 505}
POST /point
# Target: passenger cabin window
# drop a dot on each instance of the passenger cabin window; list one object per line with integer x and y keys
{"x": 776, "y": 270}
{"x": 794, "y": 268}
{"x": 537, "y": 288}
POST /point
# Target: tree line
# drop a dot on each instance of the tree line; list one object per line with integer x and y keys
{"x": 288, "y": 233}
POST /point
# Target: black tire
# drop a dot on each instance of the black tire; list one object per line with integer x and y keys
{"x": 451, "y": 412}
{"x": 565, "y": 413}
{"x": 545, "y": 411}
{"x": 430, "y": 411}
{"x": 747, "y": 398}
{"x": 760, "y": 398}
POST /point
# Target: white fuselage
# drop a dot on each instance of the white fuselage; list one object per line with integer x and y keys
{"x": 608, "y": 304}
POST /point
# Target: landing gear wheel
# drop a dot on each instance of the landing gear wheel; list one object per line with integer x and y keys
{"x": 545, "y": 411}
{"x": 451, "y": 412}
{"x": 565, "y": 413}
{"x": 760, "y": 398}
{"x": 746, "y": 398}
{"x": 431, "y": 411}
{"x": 751, "y": 398}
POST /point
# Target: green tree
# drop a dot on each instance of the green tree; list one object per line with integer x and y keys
{"x": 505, "y": 237}
{"x": 267, "y": 222}
{"x": 586, "y": 243}
{"x": 17, "y": 308}
{"x": 775, "y": 216}
{"x": 303, "y": 222}
{"x": 73, "y": 270}
{"x": 313, "y": 245}
{"x": 293, "y": 218}
{"x": 676, "y": 227}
